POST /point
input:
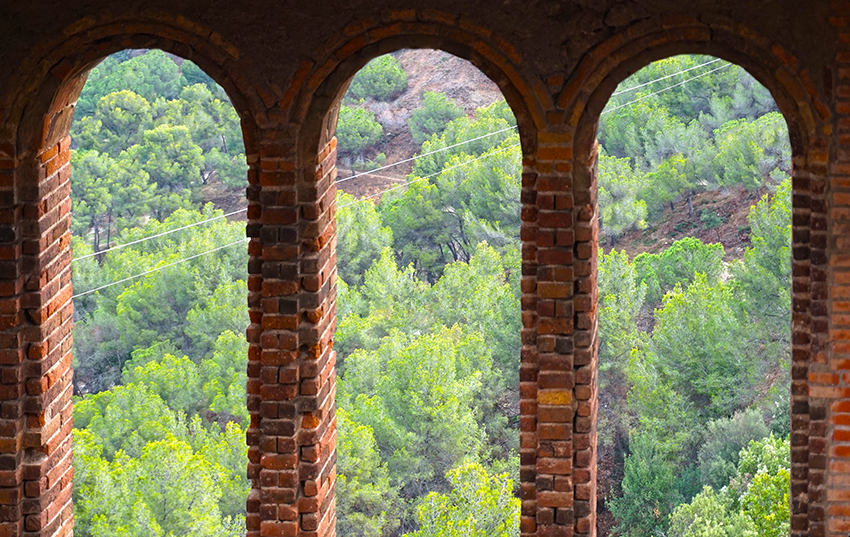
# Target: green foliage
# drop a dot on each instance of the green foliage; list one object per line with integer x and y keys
{"x": 223, "y": 310}
{"x": 107, "y": 192}
{"x": 175, "y": 380}
{"x": 367, "y": 504}
{"x": 723, "y": 440}
{"x": 151, "y": 74}
{"x": 423, "y": 398}
{"x": 748, "y": 151}
{"x": 667, "y": 183}
{"x": 764, "y": 277}
{"x": 710, "y": 219}
{"x": 701, "y": 342}
{"x": 678, "y": 265}
{"x": 145, "y": 139}
{"x": 428, "y": 313}
{"x": 138, "y": 313}
{"x": 490, "y": 129}
{"x": 620, "y": 208}
{"x": 479, "y": 505}
{"x": 766, "y": 503}
{"x": 649, "y": 493}
{"x": 168, "y": 489}
{"x": 710, "y": 515}
{"x": 118, "y": 123}
{"x": 440, "y": 221}
{"x": 173, "y": 161}
{"x": 361, "y": 237}
{"x": 755, "y": 501}
{"x": 436, "y": 112}
{"x": 620, "y": 300}
{"x": 382, "y": 79}
{"x": 356, "y": 130}
{"x": 483, "y": 296}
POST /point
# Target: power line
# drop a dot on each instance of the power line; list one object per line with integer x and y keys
{"x": 414, "y": 157}
{"x": 240, "y": 241}
{"x": 164, "y": 233}
{"x": 486, "y": 155}
{"x": 664, "y": 77}
{"x": 648, "y": 95}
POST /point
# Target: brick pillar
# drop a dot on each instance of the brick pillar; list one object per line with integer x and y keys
{"x": 558, "y": 388}
{"x": 812, "y": 387}
{"x": 820, "y": 389}
{"x": 35, "y": 342}
{"x": 586, "y": 357}
{"x": 291, "y": 379}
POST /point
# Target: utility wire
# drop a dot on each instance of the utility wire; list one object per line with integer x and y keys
{"x": 414, "y": 157}
{"x": 486, "y": 155}
{"x": 664, "y": 77}
{"x": 164, "y": 233}
{"x": 78, "y": 295}
{"x": 648, "y": 95}
{"x": 242, "y": 241}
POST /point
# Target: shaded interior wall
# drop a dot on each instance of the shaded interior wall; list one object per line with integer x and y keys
{"x": 285, "y": 66}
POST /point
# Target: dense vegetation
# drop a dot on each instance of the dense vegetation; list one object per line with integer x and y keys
{"x": 428, "y": 335}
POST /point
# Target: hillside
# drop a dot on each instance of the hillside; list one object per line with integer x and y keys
{"x": 730, "y": 205}
{"x": 427, "y": 70}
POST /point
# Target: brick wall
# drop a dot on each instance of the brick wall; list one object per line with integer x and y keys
{"x": 557, "y": 70}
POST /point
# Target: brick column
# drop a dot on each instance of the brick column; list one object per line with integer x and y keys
{"x": 292, "y": 301}
{"x": 35, "y": 342}
{"x": 559, "y": 257}
{"x": 820, "y": 390}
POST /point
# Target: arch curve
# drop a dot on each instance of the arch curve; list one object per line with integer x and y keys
{"x": 801, "y": 104}
{"x": 614, "y": 60}
{"x": 42, "y": 110}
{"x": 316, "y": 111}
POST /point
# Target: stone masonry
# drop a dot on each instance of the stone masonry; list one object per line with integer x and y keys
{"x": 285, "y": 65}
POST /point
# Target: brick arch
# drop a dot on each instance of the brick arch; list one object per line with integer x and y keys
{"x": 302, "y": 183}
{"x": 35, "y": 287}
{"x": 42, "y": 110}
{"x": 315, "y": 108}
{"x": 584, "y": 97}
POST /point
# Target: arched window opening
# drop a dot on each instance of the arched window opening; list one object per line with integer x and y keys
{"x": 694, "y": 304}
{"x": 159, "y": 274}
{"x": 428, "y": 300}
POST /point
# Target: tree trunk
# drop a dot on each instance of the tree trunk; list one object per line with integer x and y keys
{"x": 690, "y": 204}
{"x": 108, "y": 227}
{"x": 96, "y": 238}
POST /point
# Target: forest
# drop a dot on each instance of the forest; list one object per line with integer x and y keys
{"x": 694, "y": 339}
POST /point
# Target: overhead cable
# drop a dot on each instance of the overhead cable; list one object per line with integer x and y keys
{"x": 486, "y": 155}
{"x": 648, "y": 95}
{"x": 158, "y": 235}
{"x": 415, "y": 157}
{"x": 242, "y": 241}
{"x": 129, "y": 278}
{"x": 664, "y": 77}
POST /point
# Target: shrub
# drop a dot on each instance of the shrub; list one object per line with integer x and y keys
{"x": 382, "y": 79}
{"x": 724, "y": 440}
{"x": 436, "y": 112}
{"x": 356, "y": 130}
